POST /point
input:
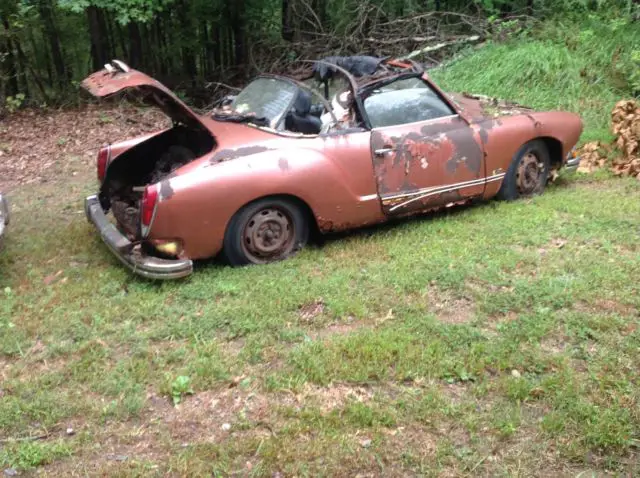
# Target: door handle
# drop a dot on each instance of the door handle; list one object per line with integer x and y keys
{"x": 383, "y": 151}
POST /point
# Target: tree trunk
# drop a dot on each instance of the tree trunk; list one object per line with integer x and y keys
{"x": 98, "y": 36}
{"x": 124, "y": 52}
{"x": 45, "y": 8}
{"x": 529, "y": 7}
{"x": 135, "y": 45}
{"x": 188, "y": 57}
{"x": 22, "y": 69}
{"x": 11, "y": 67}
{"x": 237, "y": 24}
{"x": 288, "y": 29}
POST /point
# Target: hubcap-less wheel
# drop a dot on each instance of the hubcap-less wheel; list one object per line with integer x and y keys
{"x": 530, "y": 175}
{"x": 269, "y": 235}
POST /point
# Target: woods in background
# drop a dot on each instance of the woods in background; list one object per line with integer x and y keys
{"x": 48, "y": 46}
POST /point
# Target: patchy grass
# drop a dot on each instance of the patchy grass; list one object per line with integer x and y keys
{"x": 500, "y": 339}
{"x": 490, "y": 340}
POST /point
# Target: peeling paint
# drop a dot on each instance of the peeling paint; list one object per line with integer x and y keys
{"x": 283, "y": 164}
{"x": 166, "y": 191}
{"x": 228, "y": 154}
{"x": 536, "y": 123}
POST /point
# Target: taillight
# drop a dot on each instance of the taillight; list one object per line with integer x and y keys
{"x": 103, "y": 161}
{"x": 148, "y": 208}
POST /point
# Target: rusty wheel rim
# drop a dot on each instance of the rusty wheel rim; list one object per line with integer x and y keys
{"x": 268, "y": 235}
{"x": 530, "y": 174}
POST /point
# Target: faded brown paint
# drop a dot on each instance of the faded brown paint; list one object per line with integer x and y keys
{"x": 338, "y": 175}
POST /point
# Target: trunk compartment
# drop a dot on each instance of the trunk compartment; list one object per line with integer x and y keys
{"x": 147, "y": 163}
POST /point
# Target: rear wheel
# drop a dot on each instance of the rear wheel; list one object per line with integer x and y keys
{"x": 528, "y": 173}
{"x": 264, "y": 231}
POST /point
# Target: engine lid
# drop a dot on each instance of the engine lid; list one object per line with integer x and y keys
{"x": 117, "y": 77}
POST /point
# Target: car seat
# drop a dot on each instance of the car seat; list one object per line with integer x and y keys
{"x": 300, "y": 119}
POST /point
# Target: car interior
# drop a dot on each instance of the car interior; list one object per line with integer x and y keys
{"x": 303, "y": 118}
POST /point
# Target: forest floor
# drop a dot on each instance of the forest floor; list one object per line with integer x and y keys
{"x": 500, "y": 339}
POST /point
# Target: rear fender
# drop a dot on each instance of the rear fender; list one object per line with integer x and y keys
{"x": 200, "y": 204}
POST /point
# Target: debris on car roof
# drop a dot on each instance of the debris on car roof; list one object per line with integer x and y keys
{"x": 361, "y": 66}
{"x": 358, "y": 66}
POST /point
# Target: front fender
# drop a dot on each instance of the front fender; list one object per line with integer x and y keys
{"x": 198, "y": 205}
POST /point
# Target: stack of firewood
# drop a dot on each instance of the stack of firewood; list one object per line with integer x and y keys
{"x": 625, "y": 151}
{"x": 625, "y": 120}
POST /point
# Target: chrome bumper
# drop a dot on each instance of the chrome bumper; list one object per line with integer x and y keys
{"x": 572, "y": 164}
{"x": 143, "y": 265}
{"x": 4, "y": 216}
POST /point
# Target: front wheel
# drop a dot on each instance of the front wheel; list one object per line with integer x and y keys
{"x": 528, "y": 173}
{"x": 267, "y": 230}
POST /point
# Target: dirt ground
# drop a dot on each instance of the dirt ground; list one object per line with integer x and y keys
{"x": 37, "y": 145}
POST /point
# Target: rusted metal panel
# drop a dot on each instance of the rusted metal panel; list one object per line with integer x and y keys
{"x": 107, "y": 82}
{"x": 426, "y": 163}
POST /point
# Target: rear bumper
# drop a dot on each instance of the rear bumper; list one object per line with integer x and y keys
{"x": 572, "y": 164}
{"x": 143, "y": 265}
{"x": 4, "y": 216}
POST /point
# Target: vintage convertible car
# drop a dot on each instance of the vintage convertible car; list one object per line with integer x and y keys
{"x": 4, "y": 216}
{"x": 253, "y": 178}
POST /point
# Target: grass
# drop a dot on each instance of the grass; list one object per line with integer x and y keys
{"x": 533, "y": 355}
{"x": 501, "y": 339}
{"x": 581, "y": 67}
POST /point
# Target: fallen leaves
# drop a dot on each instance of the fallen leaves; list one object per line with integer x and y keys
{"x": 310, "y": 311}
{"x": 42, "y": 145}
{"x": 593, "y": 156}
{"x": 625, "y": 124}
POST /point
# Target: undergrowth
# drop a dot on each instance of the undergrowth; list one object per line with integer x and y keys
{"x": 582, "y": 67}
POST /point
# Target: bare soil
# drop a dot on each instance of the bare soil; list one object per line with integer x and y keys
{"x": 37, "y": 145}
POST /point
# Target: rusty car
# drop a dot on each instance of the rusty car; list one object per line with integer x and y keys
{"x": 252, "y": 179}
{"x": 4, "y": 216}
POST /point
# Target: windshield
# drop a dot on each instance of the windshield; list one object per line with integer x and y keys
{"x": 265, "y": 97}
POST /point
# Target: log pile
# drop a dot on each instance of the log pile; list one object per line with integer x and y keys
{"x": 625, "y": 120}
{"x": 625, "y": 123}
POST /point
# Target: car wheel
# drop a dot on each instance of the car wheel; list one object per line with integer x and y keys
{"x": 528, "y": 173}
{"x": 264, "y": 231}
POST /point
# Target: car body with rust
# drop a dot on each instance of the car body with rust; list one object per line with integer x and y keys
{"x": 252, "y": 179}
{"x": 4, "y": 216}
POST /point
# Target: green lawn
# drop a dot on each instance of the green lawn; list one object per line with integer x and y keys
{"x": 500, "y": 339}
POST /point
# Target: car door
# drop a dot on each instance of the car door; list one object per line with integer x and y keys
{"x": 424, "y": 154}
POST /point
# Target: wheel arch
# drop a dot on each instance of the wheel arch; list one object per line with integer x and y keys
{"x": 554, "y": 147}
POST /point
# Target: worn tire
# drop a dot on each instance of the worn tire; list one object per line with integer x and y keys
{"x": 238, "y": 248}
{"x": 523, "y": 178}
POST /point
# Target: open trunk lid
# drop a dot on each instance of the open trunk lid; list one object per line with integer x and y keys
{"x": 117, "y": 76}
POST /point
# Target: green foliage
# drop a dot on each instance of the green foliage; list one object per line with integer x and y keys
{"x": 30, "y": 454}
{"x": 583, "y": 67}
{"x": 125, "y": 11}
{"x": 50, "y": 45}
{"x": 180, "y": 387}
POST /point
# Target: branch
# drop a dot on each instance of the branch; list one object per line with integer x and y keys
{"x": 440, "y": 46}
